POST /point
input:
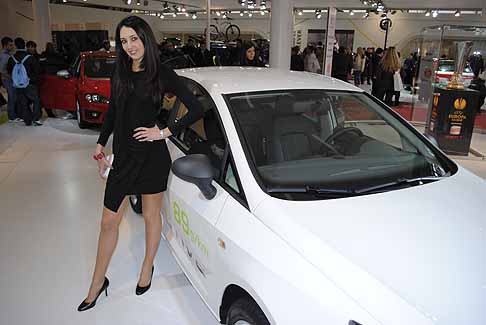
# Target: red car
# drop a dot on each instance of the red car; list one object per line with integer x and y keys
{"x": 445, "y": 71}
{"x": 84, "y": 89}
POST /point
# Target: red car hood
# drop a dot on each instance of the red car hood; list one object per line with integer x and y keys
{"x": 99, "y": 86}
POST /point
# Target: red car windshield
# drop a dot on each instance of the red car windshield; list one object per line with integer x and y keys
{"x": 99, "y": 67}
{"x": 449, "y": 66}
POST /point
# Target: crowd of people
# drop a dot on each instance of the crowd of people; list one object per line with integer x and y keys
{"x": 21, "y": 68}
{"x": 384, "y": 70}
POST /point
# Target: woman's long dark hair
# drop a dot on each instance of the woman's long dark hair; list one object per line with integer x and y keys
{"x": 122, "y": 85}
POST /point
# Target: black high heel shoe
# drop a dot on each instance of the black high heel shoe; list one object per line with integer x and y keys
{"x": 141, "y": 290}
{"x": 88, "y": 305}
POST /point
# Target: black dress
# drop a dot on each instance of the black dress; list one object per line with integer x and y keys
{"x": 142, "y": 167}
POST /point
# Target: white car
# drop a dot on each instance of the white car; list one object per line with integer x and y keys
{"x": 300, "y": 199}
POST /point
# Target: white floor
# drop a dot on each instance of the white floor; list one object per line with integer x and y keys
{"x": 50, "y": 207}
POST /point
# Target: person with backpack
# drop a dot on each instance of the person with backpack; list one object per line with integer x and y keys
{"x": 25, "y": 72}
{"x": 7, "y": 49}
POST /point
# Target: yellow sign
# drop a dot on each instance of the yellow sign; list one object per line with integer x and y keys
{"x": 460, "y": 104}
{"x": 436, "y": 100}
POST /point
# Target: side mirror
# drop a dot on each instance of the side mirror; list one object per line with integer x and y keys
{"x": 63, "y": 74}
{"x": 432, "y": 139}
{"x": 196, "y": 169}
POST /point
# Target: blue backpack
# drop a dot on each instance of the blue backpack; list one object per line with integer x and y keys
{"x": 20, "y": 77}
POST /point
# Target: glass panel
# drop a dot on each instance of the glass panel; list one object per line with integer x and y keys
{"x": 230, "y": 179}
{"x": 301, "y": 138}
{"x": 99, "y": 67}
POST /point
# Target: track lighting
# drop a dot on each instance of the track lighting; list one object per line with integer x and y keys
{"x": 435, "y": 13}
{"x": 458, "y": 13}
{"x": 427, "y": 13}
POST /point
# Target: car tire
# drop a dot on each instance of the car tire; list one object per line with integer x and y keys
{"x": 82, "y": 124}
{"x": 245, "y": 311}
{"x": 50, "y": 112}
{"x": 136, "y": 203}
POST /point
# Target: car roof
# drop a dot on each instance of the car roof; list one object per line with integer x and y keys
{"x": 227, "y": 80}
{"x": 99, "y": 54}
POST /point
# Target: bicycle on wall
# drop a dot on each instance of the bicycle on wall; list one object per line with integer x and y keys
{"x": 231, "y": 31}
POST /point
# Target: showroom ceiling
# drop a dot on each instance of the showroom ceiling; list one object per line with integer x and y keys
{"x": 235, "y": 4}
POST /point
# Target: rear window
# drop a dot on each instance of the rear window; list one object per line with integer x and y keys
{"x": 98, "y": 67}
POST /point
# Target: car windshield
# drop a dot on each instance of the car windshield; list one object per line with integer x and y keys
{"x": 99, "y": 67}
{"x": 448, "y": 66}
{"x": 306, "y": 144}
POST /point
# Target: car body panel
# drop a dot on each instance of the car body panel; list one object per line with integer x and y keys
{"x": 61, "y": 93}
{"x": 409, "y": 256}
{"x": 415, "y": 243}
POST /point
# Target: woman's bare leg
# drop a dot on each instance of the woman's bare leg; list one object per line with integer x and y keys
{"x": 151, "y": 205}
{"x": 107, "y": 241}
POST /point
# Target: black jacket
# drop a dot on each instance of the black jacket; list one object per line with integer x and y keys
{"x": 384, "y": 79}
{"x": 31, "y": 65}
{"x": 478, "y": 84}
{"x": 342, "y": 64}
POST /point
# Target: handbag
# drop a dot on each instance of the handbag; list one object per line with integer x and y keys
{"x": 397, "y": 81}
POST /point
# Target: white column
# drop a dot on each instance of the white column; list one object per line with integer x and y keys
{"x": 42, "y": 23}
{"x": 281, "y": 26}
{"x": 208, "y": 25}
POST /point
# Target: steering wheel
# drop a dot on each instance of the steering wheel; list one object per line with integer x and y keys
{"x": 339, "y": 131}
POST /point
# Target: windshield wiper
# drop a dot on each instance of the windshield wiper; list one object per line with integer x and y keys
{"x": 400, "y": 182}
{"x": 313, "y": 190}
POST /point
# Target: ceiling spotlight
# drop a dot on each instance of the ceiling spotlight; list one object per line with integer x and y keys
{"x": 262, "y": 13}
{"x": 129, "y": 2}
{"x": 194, "y": 16}
{"x": 351, "y": 13}
{"x": 318, "y": 14}
{"x": 250, "y": 14}
{"x": 166, "y": 5}
{"x": 138, "y": 3}
{"x": 427, "y": 13}
{"x": 366, "y": 15}
{"x": 218, "y": 13}
{"x": 174, "y": 15}
{"x": 186, "y": 14}
{"x": 183, "y": 9}
{"x": 435, "y": 13}
{"x": 458, "y": 13}
{"x": 300, "y": 12}
{"x": 365, "y": 2}
{"x": 241, "y": 13}
{"x": 161, "y": 16}
{"x": 64, "y": 1}
{"x": 225, "y": 16}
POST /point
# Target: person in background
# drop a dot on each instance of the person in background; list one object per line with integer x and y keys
{"x": 30, "y": 94}
{"x": 311, "y": 64}
{"x": 396, "y": 93}
{"x": 368, "y": 70}
{"x": 358, "y": 66}
{"x": 342, "y": 64}
{"x": 320, "y": 54}
{"x": 296, "y": 61}
{"x": 32, "y": 49}
{"x": 235, "y": 52}
{"x": 8, "y": 49}
{"x": 249, "y": 57}
{"x": 106, "y": 46}
{"x": 51, "y": 61}
{"x": 478, "y": 84}
{"x": 375, "y": 62}
{"x": 384, "y": 82}
{"x": 408, "y": 70}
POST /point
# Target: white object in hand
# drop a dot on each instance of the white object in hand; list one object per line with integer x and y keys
{"x": 109, "y": 158}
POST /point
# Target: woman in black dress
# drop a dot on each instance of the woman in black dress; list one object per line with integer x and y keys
{"x": 142, "y": 161}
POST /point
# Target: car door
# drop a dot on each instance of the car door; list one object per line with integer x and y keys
{"x": 189, "y": 217}
{"x": 65, "y": 88}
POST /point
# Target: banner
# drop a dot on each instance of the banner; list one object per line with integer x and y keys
{"x": 330, "y": 40}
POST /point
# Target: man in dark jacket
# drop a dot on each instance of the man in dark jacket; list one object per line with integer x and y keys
{"x": 375, "y": 63}
{"x": 478, "y": 84}
{"x": 28, "y": 95}
{"x": 296, "y": 60}
{"x": 342, "y": 65}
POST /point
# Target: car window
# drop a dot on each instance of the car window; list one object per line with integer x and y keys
{"x": 230, "y": 178}
{"x": 346, "y": 141}
{"x": 206, "y": 134}
{"x": 99, "y": 67}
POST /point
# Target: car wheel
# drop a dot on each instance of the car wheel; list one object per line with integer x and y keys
{"x": 49, "y": 112}
{"x": 82, "y": 124}
{"x": 136, "y": 203}
{"x": 245, "y": 311}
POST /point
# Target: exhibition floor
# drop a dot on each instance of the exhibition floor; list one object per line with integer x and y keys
{"x": 50, "y": 207}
